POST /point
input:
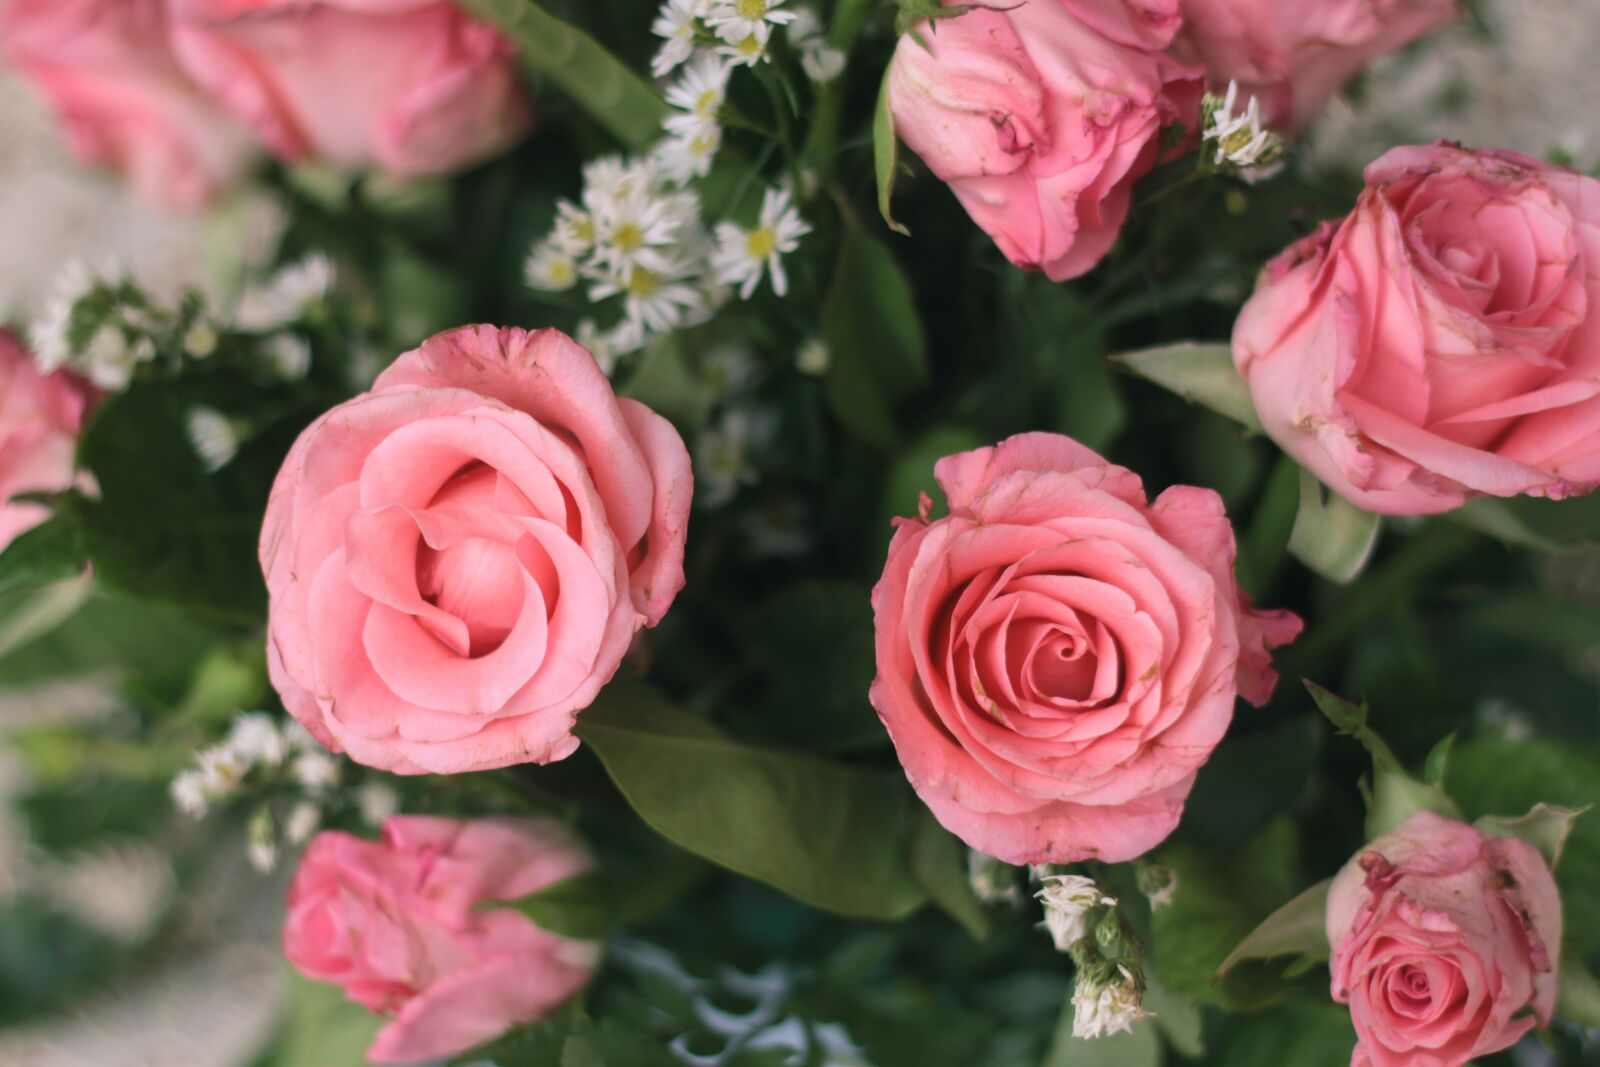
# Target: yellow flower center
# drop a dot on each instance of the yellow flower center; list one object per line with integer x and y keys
{"x": 584, "y": 228}
{"x": 705, "y": 105}
{"x": 628, "y": 237}
{"x": 761, "y": 243}
{"x": 561, "y": 273}
{"x": 750, "y": 46}
{"x": 643, "y": 283}
{"x": 751, "y": 9}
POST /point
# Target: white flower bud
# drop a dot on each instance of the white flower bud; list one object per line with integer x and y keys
{"x": 1068, "y": 899}
{"x": 303, "y": 820}
{"x": 1102, "y": 1010}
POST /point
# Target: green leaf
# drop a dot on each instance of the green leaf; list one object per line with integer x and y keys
{"x": 1493, "y": 776}
{"x": 1177, "y": 1017}
{"x": 877, "y": 353}
{"x": 832, "y": 835}
{"x": 1546, "y": 828}
{"x": 1298, "y": 928}
{"x": 1578, "y": 995}
{"x": 911, "y": 473}
{"x": 1331, "y": 535}
{"x": 939, "y": 861}
{"x": 53, "y": 551}
{"x": 1201, "y": 373}
{"x": 886, "y": 154}
{"x": 1437, "y": 764}
{"x": 1266, "y": 540}
{"x": 1396, "y": 795}
{"x": 1222, "y": 896}
{"x": 321, "y": 1026}
{"x": 1547, "y": 525}
{"x": 592, "y": 905}
{"x": 599, "y": 82}
{"x": 1302, "y": 1034}
{"x": 23, "y": 620}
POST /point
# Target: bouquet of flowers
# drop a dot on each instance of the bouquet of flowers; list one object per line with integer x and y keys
{"x": 654, "y": 579}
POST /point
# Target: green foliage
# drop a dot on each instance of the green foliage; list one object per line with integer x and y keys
{"x": 1200, "y": 373}
{"x": 53, "y": 551}
{"x": 886, "y": 155}
{"x": 1331, "y": 535}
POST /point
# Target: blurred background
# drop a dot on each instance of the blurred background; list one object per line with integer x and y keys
{"x": 104, "y": 962}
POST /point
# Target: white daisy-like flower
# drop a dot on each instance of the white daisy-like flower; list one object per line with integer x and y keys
{"x": 285, "y": 297}
{"x": 288, "y": 356}
{"x": 821, "y": 61}
{"x": 109, "y": 359}
{"x": 1068, "y": 899}
{"x": 742, "y": 255}
{"x": 1102, "y": 1010}
{"x": 701, "y": 88}
{"x": 722, "y": 454}
{"x": 746, "y": 52}
{"x": 315, "y": 771}
{"x": 1240, "y": 140}
{"x": 49, "y": 336}
{"x": 255, "y": 736}
{"x": 550, "y": 267}
{"x": 638, "y": 228}
{"x": 573, "y": 232}
{"x": 654, "y": 297}
{"x": 737, "y": 20}
{"x": 221, "y": 770}
{"x": 805, "y": 25}
{"x": 678, "y": 22}
{"x": 302, "y": 822}
{"x": 214, "y": 437}
{"x": 690, "y": 150}
{"x": 610, "y": 179}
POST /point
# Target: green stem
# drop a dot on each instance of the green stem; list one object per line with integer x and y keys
{"x": 822, "y": 142}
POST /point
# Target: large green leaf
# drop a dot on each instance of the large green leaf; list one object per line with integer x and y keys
{"x": 592, "y": 905}
{"x": 1547, "y": 525}
{"x": 598, "y": 81}
{"x": 1201, "y": 373}
{"x": 1299, "y": 928}
{"x": 53, "y": 551}
{"x": 877, "y": 353}
{"x": 1301, "y": 1034}
{"x": 835, "y": 836}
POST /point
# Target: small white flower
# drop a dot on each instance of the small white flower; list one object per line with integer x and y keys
{"x": 690, "y": 149}
{"x": 655, "y": 298}
{"x": 746, "y": 52}
{"x": 221, "y": 770}
{"x": 609, "y": 179}
{"x": 299, "y": 739}
{"x": 109, "y": 359}
{"x": 573, "y": 232}
{"x": 1240, "y": 140}
{"x": 288, "y": 356}
{"x": 722, "y": 455}
{"x": 737, "y": 20}
{"x": 255, "y": 738}
{"x": 804, "y": 26}
{"x": 303, "y": 820}
{"x": 550, "y": 267}
{"x": 188, "y": 791}
{"x": 200, "y": 340}
{"x": 214, "y": 437}
{"x": 49, "y": 336}
{"x": 261, "y": 841}
{"x": 377, "y": 802}
{"x": 1067, "y": 900}
{"x": 812, "y": 357}
{"x": 821, "y": 61}
{"x": 1102, "y": 1010}
{"x": 993, "y": 881}
{"x": 285, "y": 297}
{"x": 636, "y": 228}
{"x": 677, "y": 22}
{"x": 315, "y": 771}
{"x": 743, "y": 255}
{"x": 701, "y": 88}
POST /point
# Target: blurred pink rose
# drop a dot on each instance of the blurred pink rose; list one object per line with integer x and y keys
{"x": 458, "y": 559}
{"x": 1439, "y": 343}
{"x": 1441, "y": 938}
{"x": 1295, "y": 56}
{"x": 412, "y": 86}
{"x": 1041, "y": 116}
{"x": 107, "y": 69}
{"x": 1057, "y": 657}
{"x": 40, "y": 416}
{"x": 397, "y": 923}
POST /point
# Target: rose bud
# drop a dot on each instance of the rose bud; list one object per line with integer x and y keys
{"x": 1441, "y": 342}
{"x": 1445, "y": 944}
{"x": 459, "y": 559}
{"x": 1042, "y": 115}
{"x": 40, "y": 416}
{"x": 400, "y": 924}
{"x": 413, "y": 87}
{"x": 107, "y": 69}
{"x": 1057, "y": 657}
{"x": 1293, "y": 57}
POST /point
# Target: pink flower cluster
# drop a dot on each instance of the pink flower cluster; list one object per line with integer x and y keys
{"x": 177, "y": 94}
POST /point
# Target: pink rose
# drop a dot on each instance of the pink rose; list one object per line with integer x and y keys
{"x": 1441, "y": 937}
{"x": 458, "y": 560}
{"x": 1439, "y": 343}
{"x": 398, "y": 924}
{"x": 1295, "y": 56}
{"x": 1041, "y": 115}
{"x": 412, "y": 86}
{"x": 107, "y": 69}
{"x": 40, "y": 416}
{"x": 1057, "y": 657}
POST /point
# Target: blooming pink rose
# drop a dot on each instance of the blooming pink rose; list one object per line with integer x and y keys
{"x": 412, "y": 86}
{"x": 1439, "y": 343}
{"x": 107, "y": 69}
{"x": 40, "y": 416}
{"x": 1041, "y": 115}
{"x": 1057, "y": 657}
{"x": 1294, "y": 56}
{"x": 458, "y": 559}
{"x": 1441, "y": 937}
{"x": 398, "y": 924}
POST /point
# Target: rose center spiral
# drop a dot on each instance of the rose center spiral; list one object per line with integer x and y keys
{"x": 476, "y": 579}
